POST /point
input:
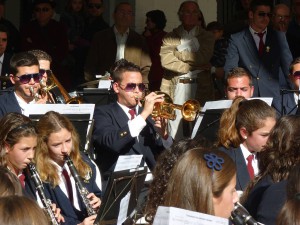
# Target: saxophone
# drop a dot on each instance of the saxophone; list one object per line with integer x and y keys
{"x": 79, "y": 184}
{"x": 40, "y": 189}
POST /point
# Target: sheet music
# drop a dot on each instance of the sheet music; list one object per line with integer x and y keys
{"x": 126, "y": 162}
{"x": 123, "y": 208}
{"x": 177, "y": 216}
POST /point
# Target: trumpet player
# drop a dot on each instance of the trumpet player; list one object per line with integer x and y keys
{"x": 25, "y": 76}
{"x": 125, "y": 128}
{"x": 57, "y": 139}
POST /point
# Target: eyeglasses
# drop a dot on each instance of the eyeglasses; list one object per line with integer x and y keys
{"x": 264, "y": 14}
{"x": 132, "y": 86}
{"x": 94, "y": 5}
{"x": 296, "y": 74}
{"x": 41, "y": 9}
{"x": 25, "y": 79}
{"x": 188, "y": 13}
{"x": 49, "y": 72}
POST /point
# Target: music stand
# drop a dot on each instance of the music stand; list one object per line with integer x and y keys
{"x": 81, "y": 115}
{"x": 119, "y": 184}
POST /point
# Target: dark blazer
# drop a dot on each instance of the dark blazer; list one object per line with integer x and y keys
{"x": 266, "y": 199}
{"x": 9, "y": 103}
{"x": 69, "y": 212}
{"x": 6, "y": 71}
{"x": 242, "y": 174}
{"x": 270, "y": 71}
{"x": 111, "y": 138}
{"x": 103, "y": 50}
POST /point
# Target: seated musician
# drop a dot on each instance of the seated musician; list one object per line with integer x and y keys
{"x": 125, "y": 128}
{"x": 25, "y": 76}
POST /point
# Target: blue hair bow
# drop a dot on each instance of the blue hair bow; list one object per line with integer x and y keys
{"x": 213, "y": 161}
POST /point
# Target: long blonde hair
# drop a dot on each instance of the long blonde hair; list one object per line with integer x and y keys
{"x": 49, "y": 123}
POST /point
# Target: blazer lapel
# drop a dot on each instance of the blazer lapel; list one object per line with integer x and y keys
{"x": 251, "y": 46}
{"x": 243, "y": 177}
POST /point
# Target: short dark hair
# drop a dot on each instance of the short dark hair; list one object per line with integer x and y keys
{"x": 22, "y": 59}
{"x": 255, "y": 3}
{"x": 158, "y": 17}
{"x": 121, "y": 3}
{"x": 293, "y": 63}
{"x": 121, "y": 67}
{"x": 41, "y": 55}
{"x": 238, "y": 72}
{"x": 215, "y": 25}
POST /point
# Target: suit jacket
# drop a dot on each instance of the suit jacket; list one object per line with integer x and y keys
{"x": 242, "y": 174}
{"x": 9, "y": 103}
{"x": 103, "y": 50}
{"x": 269, "y": 72}
{"x": 6, "y": 71}
{"x": 111, "y": 138}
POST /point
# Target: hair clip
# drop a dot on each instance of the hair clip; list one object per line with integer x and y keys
{"x": 213, "y": 161}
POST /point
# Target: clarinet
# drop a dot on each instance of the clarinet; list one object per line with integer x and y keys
{"x": 79, "y": 184}
{"x": 240, "y": 216}
{"x": 40, "y": 189}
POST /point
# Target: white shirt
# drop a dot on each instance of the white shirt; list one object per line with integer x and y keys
{"x": 22, "y": 103}
{"x": 256, "y": 37}
{"x": 1, "y": 62}
{"x": 246, "y": 153}
{"x": 121, "y": 42}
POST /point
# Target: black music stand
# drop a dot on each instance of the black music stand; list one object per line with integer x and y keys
{"x": 119, "y": 184}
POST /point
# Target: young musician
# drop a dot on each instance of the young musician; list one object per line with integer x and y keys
{"x": 18, "y": 140}
{"x": 56, "y": 139}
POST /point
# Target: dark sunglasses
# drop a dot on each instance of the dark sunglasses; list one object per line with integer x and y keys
{"x": 132, "y": 86}
{"x": 93, "y": 5}
{"x": 296, "y": 74}
{"x": 264, "y": 14}
{"x": 25, "y": 79}
{"x": 41, "y": 9}
{"x": 49, "y": 72}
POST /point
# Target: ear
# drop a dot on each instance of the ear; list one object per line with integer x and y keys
{"x": 7, "y": 147}
{"x": 250, "y": 15}
{"x": 244, "y": 132}
{"x": 116, "y": 87}
{"x": 12, "y": 79}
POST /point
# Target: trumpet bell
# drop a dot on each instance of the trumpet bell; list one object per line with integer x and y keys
{"x": 190, "y": 109}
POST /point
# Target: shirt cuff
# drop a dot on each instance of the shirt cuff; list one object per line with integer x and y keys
{"x": 136, "y": 125}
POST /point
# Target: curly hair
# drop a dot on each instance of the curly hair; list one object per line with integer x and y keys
{"x": 281, "y": 152}
{"x": 163, "y": 169}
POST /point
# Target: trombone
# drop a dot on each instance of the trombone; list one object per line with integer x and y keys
{"x": 166, "y": 109}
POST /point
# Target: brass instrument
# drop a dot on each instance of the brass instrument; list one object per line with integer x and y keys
{"x": 166, "y": 109}
{"x": 62, "y": 96}
{"x": 79, "y": 184}
{"x": 40, "y": 189}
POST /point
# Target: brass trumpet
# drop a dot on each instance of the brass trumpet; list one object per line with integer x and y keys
{"x": 166, "y": 109}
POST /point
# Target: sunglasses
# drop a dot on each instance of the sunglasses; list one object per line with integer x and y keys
{"x": 93, "y": 5}
{"x": 25, "y": 79}
{"x": 264, "y": 14}
{"x": 41, "y": 9}
{"x": 132, "y": 86}
{"x": 296, "y": 74}
{"x": 48, "y": 72}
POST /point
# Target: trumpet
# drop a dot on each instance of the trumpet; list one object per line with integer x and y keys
{"x": 166, "y": 109}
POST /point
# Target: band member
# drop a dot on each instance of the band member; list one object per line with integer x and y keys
{"x": 57, "y": 138}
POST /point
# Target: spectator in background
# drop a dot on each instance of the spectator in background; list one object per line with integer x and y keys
{"x": 184, "y": 53}
{"x": 74, "y": 18}
{"x": 217, "y": 62}
{"x": 94, "y": 21}
{"x": 118, "y": 42}
{"x": 13, "y": 33}
{"x": 5, "y": 57}
{"x": 154, "y": 33}
{"x": 281, "y": 17}
{"x": 293, "y": 32}
{"x": 48, "y": 35}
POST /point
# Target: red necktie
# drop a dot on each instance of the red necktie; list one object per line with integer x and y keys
{"x": 132, "y": 113}
{"x": 69, "y": 185}
{"x": 249, "y": 166}
{"x": 261, "y": 45}
{"x": 22, "y": 180}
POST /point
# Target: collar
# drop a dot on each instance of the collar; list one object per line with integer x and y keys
{"x": 265, "y": 31}
{"x": 118, "y": 33}
{"x": 246, "y": 152}
{"x": 2, "y": 58}
{"x": 126, "y": 109}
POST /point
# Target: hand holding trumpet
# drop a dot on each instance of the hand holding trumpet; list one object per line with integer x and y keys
{"x": 149, "y": 102}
